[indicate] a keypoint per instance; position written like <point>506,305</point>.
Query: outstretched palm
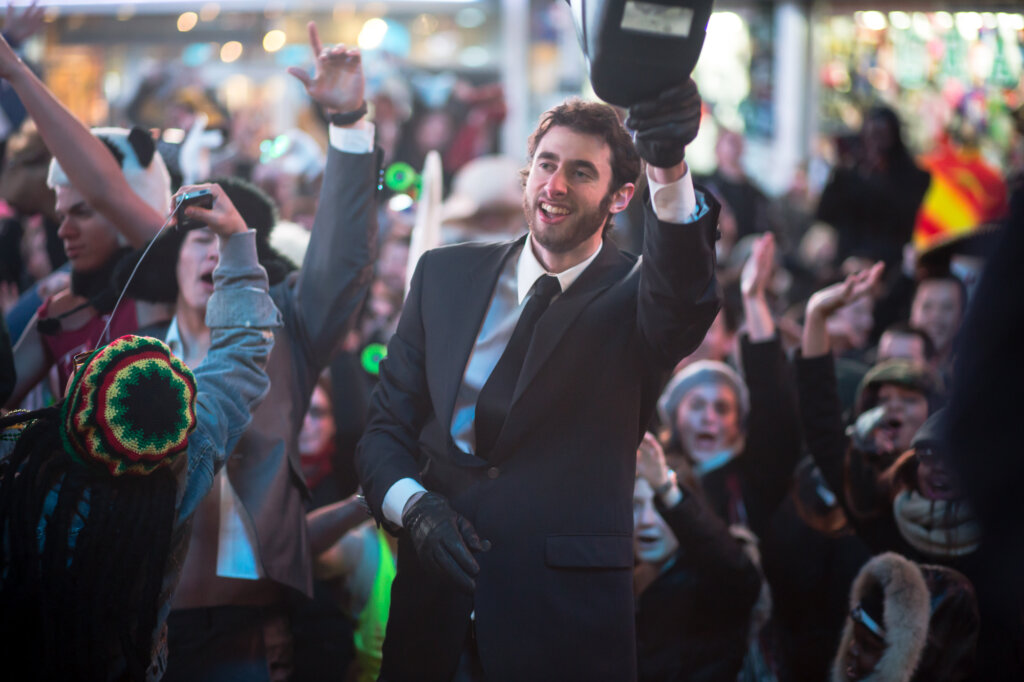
<point>337,83</point>
<point>830,299</point>
<point>757,271</point>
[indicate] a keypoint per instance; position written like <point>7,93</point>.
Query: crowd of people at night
<point>613,420</point>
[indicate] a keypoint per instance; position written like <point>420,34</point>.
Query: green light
<point>371,357</point>
<point>400,177</point>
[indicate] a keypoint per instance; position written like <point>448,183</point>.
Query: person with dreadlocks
<point>98,491</point>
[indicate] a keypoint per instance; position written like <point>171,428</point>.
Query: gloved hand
<point>443,539</point>
<point>663,127</point>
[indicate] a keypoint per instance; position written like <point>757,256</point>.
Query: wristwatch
<point>662,489</point>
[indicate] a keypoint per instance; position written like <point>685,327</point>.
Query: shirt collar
<point>173,339</point>
<point>529,269</point>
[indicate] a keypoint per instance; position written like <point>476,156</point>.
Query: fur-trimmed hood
<point>907,608</point>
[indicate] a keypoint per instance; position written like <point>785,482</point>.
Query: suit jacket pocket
<point>589,551</point>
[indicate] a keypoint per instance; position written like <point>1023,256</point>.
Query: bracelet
<point>662,489</point>
<point>349,117</point>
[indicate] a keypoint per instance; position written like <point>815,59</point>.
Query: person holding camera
<point>501,440</point>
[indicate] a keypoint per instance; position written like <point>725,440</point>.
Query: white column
<point>515,56</point>
<point>793,73</point>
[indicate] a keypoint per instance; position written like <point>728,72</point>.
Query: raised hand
<point>222,218</point>
<point>650,462</point>
<point>826,301</point>
<point>337,83</point>
<point>757,271</point>
<point>664,126</point>
<point>19,28</point>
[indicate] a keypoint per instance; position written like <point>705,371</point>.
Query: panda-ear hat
<point>142,165</point>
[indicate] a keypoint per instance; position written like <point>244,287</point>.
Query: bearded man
<point>501,444</point>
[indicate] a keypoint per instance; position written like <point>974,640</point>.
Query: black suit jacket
<point>554,595</point>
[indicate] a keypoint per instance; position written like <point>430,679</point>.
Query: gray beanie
<point>702,372</point>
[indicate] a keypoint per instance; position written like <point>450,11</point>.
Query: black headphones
<point>51,326</point>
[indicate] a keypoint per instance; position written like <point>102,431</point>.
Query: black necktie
<point>496,395</point>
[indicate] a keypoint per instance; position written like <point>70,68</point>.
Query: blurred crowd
<point>831,524</point>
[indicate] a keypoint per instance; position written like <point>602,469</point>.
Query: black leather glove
<point>663,127</point>
<point>443,539</point>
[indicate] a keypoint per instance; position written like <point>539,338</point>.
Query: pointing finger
<point>314,39</point>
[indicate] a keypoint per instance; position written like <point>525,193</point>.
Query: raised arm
<point>678,291</point>
<point>757,273</point>
<point>825,302</point>
<point>338,267</point>
<point>711,555</point>
<point>773,445</point>
<point>231,379</point>
<point>820,410</point>
<point>89,165</point>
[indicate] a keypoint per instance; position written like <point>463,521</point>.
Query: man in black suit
<point>502,436</point>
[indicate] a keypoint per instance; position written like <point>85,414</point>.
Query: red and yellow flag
<point>965,193</point>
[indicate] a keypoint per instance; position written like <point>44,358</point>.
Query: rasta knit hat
<point>130,408</point>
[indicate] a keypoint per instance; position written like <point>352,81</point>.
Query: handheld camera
<point>202,198</point>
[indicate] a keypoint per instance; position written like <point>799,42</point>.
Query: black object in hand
<point>443,539</point>
<point>202,198</point>
<point>664,126</point>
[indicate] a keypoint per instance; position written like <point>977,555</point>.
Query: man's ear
<point>621,197</point>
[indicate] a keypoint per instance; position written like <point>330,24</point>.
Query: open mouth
<point>891,428</point>
<point>551,211</point>
<point>647,540</point>
<point>706,440</point>
<point>207,278</point>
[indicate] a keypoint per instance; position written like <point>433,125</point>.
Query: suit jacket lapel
<point>465,309</point>
<point>609,267</point>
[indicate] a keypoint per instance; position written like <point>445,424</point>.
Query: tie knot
<point>546,287</point>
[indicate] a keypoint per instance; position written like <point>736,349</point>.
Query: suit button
<point>493,472</point>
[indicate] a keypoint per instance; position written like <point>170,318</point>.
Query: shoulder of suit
<point>469,250</point>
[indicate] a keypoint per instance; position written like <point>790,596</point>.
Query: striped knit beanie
<point>130,408</point>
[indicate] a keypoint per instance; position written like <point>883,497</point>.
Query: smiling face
<point>936,478</point>
<point>708,421</point>
<point>905,411</point>
<point>653,541</point>
<point>568,196</point>
<point>196,261</point>
<point>90,240</point>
